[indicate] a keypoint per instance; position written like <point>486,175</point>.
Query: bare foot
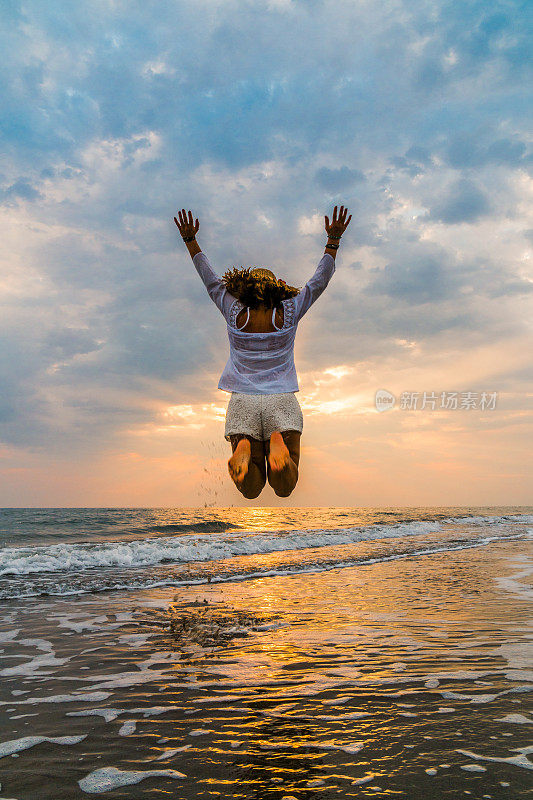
<point>279,455</point>
<point>240,461</point>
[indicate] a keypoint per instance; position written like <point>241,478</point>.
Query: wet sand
<point>409,678</point>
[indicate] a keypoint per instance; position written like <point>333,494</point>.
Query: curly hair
<point>254,291</point>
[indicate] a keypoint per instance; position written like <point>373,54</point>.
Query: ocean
<point>266,652</point>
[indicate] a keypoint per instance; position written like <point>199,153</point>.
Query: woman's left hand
<point>186,226</point>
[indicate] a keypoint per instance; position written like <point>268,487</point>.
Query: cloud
<point>469,151</point>
<point>425,277</point>
<point>259,119</point>
<point>335,180</point>
<point>462,202</point>
<point>21,189</point>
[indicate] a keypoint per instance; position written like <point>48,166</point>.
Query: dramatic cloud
<point>260,117</point>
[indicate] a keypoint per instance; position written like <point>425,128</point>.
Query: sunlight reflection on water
<point>405,678</point>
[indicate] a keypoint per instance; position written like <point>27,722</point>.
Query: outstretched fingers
<point>339,217</point>
<point>186,224</point>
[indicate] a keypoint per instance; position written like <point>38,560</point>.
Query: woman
<point>264,420</point>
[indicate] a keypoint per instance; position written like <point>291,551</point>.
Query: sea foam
<point>190,548</point>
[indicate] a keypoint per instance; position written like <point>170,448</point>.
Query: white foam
<point>474,698</point>
<point>127,729</point>
<point>21,716</point>
<point>16,745</point>
<point>518,761</point>
<point>40,644</point>
<point>108,778</point>
<point>133,678</point>
<point>168,753</point>
<point>34,666</point>
<point>8,636</point>
<point>87,624</point>
<point>366,779</point>
<point>109,714</point>
<point>189,548</point>
<point>520,719</point>
<point>135,639</point>
<point>486,698</point>
<point>507,519</point>
<point>82,697</point>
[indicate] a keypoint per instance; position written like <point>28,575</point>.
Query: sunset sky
<point>260,117</point>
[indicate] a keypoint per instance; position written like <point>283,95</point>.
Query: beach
<point>266,653</point>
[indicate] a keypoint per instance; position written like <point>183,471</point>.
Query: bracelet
<point>332,246</point>
<point>189,239</point>
<point>337,238</point>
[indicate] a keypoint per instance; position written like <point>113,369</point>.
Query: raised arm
<point>215,287</point>
<point>326,266</point>
<point>336,229</point>
<point>315,285</point>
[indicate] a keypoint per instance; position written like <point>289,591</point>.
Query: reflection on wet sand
<point>405,678</point>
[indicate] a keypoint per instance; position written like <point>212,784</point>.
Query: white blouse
<point>262,363</point>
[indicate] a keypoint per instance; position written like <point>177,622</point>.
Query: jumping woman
<point>264,420</point>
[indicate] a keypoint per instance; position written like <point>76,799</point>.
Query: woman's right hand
<point>338,224</point>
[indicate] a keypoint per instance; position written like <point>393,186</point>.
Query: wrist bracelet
<point>189,239</point>
<point>337,238</point>
<point>333,246</point>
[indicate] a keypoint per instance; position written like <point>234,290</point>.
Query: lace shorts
<point>258,415</point>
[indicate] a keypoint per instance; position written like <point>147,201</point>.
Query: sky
<point>260,116</point>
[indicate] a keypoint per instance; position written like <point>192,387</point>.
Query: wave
<point>504,519</point>
<point>188,548</point>
<point>187,558</point>
<point>58,584</point>
<point>194,547</point>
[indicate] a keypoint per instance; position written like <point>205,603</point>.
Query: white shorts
<point>259,415</point>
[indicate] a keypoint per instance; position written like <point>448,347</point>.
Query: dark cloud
<point>415,161</point>
<point>462,202</point>
<point>66,342</point>
<point>335,180</point>
<point>22,189</point>
<point>470,151</point>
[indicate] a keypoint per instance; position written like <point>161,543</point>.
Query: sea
<point>272,653</point>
